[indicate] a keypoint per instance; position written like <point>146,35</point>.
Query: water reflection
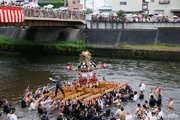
<point>20,70</point>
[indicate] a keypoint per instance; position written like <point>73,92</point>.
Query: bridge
<point>37,21</point>
<point>42,17</point>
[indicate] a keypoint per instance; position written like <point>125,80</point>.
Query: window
<point>74,1</point>
<point>159,12</point>
<point>164,1</point>
<point>145,6</point>
<point>146,0</point>
<point>123,3</point>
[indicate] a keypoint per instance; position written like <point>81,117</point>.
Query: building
<point>75,4</point>
<point>164,7</point>
<point>129,6</point>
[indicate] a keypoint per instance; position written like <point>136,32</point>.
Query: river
<point>17,71</point>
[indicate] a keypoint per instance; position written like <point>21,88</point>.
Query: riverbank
<point>59,47</point>
<point>146,52</point>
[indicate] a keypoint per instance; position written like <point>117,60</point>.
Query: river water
<point>17,71</point>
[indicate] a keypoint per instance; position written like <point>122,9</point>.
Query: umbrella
<point>46,6</point>
<point>31,3</point>
<point>78,10</point>
<point>159,15</point>
<point>164,15</point>
<point>115,15</point>
<point>156,14</point>
<point>134,15</point>
<point>63,8</point>
<point>175,16</point>
<point>25,3</point>
<point>95,13</point>
<point>151,15</point>
<point>35,5</point>
<point>139,15</point>
<point>55,9</point>
<point>129,15</point>
<point>50,5</point>
<point>19,0</point>
<point>123,14</point>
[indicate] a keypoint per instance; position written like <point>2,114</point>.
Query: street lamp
<point>78,9</point>
<point>65,3</point>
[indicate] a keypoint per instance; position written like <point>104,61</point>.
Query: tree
<point>120,13</point>
<point>89,11</point>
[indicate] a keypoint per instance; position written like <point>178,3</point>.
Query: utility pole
<point>78,9</point>
<point>64,3</point>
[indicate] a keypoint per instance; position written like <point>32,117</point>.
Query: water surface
<point>17,71</point>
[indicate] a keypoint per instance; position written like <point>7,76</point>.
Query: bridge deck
<point>37,21</point>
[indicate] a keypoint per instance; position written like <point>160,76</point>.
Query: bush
<point>56,4</point>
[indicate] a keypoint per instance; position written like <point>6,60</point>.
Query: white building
<point>34,1</point>
<point>8,1</point>
<point>127,5</point>
<point>164,7</point>
<point>96,4</point>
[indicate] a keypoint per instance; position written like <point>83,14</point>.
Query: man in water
<point>136,96</point>
<point>58,84</point>
<point>23,102</point>
<point>141,96</point>
<point>171,103</point>
<point>13,115</point>
<point>45,87</point>
<point>122,114</point>
<point>128,116</point>
<point>104,80</point>
<point>143,85</point>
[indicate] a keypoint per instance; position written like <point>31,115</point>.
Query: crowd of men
<point>35,11</point>
<point>10,4</point>
<point>94,109</point>
<point>52,13</point>
<point>136,19</point>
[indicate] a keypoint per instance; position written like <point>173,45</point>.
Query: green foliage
<point>161,46</point>
<point>56,4</point>
<point>89,11</point>
<point>59,47</point>
<point>120,13</point>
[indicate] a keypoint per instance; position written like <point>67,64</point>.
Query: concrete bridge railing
<point>130,25</point>
<point>48,13</point>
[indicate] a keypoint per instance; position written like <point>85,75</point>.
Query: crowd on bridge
<point>52,13</point>
<point>93,109</point>
<point>10,4</point>
<point>36,11</point>
<point>154,18</point>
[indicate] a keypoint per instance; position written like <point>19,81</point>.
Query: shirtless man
<point>139,111</point>
<point>104,80</point>
<point>171,103</point>
<point>122,114</point>
<point>38,92</point>
<point>27,91</point>
<point>150,93</point>
<point>156,90</point>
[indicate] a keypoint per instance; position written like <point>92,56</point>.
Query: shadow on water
<point>20,70</point>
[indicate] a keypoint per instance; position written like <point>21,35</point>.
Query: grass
<point>166,47</point>
<point>162,46</point>
<point>8,40</point>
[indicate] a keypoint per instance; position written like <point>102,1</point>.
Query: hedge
<point>56,4</point>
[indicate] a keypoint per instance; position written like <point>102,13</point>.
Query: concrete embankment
<point>97,52</point>
<point>96,37</point>
<point>163,55</point>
